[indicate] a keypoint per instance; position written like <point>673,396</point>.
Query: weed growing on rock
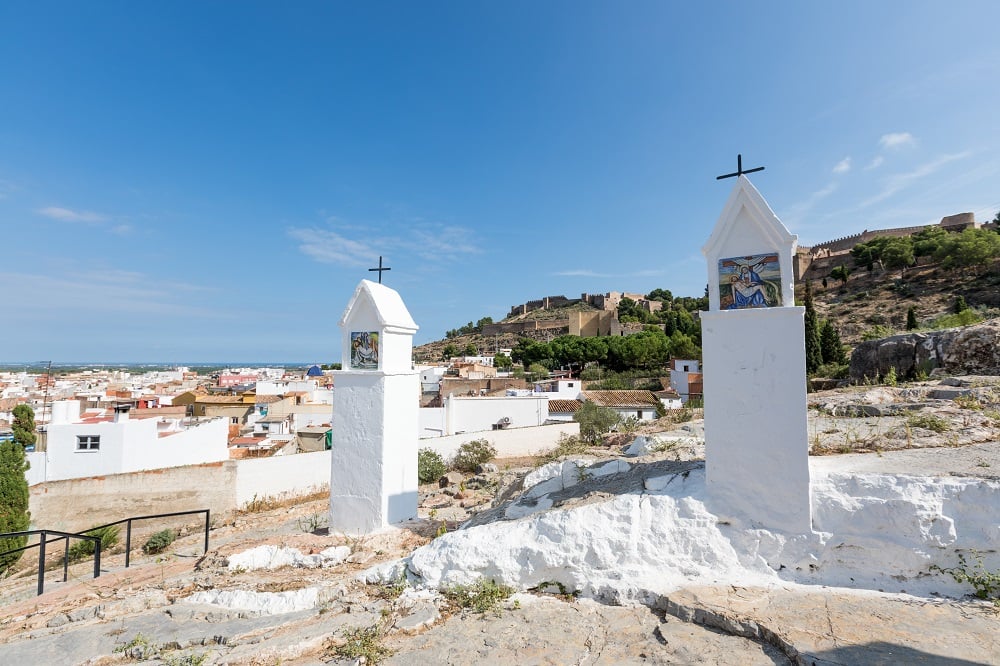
<point>185,660</point>
<point>968,401</point>
<point>985,584</point>
<point>258,504</point>
<point>140,648</point>
<point>313,523</point>
<point>391,590</point>
<point>928,422</point>
<point>365,643</point>
<point>483,596</point>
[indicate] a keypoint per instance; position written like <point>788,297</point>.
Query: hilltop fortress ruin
<point>818,260</point>
<point>809,263</point>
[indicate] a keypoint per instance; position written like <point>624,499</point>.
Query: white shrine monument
<point>373,476</point>
<point>753,340</point>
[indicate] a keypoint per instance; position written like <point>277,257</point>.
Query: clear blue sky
<point>208,181</point>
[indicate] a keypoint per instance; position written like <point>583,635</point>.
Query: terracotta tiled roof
<point>621,398</point>
<point>564,406</point>
<point>667,393</point>
<point>266,399</point>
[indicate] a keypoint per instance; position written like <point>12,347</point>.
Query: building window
<point>235,420</point>
<point>88,442</point>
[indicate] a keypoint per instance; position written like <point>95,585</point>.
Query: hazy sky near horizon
<point>209,181</point>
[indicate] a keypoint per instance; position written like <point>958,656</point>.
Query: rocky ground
<point>312,607</point>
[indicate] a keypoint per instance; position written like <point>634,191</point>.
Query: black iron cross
<point>739,169</point>
<point>379,269</point>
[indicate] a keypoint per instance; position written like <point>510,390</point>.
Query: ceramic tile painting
<point>750,282</point>
<point>364,350</point>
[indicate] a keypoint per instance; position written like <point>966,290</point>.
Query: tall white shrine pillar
<point>753,341</point>
<point>373,476</point>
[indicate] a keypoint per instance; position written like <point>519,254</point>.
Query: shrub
<point>84,548</point>
<point>430,465</point>
<point>158,542</point>
<point>567,445</point>
<point>963,318</point>
<point>877,332</point>
<point>473,454</point>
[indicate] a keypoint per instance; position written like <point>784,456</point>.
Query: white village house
<point>97,445</point>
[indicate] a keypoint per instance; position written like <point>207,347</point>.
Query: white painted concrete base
<point>756,438</point>
<point>373,479</point>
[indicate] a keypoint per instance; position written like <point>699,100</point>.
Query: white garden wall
<point>510,443</point>
<point>282,476</point>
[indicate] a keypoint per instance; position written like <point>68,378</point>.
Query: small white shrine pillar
<point>753,340</point>
<point>373,476</point>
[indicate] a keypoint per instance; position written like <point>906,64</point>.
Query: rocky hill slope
<point>882,298</point>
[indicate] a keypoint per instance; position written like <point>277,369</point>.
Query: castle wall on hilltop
<point>825,255</point>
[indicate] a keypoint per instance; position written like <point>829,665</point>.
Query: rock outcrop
<point>969,350</point>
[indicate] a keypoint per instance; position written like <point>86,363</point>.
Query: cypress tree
<point>960,305</point>
<point>814,349</point>
<point>911,319</point>
<point>832,348</point>
<point>13,484</point>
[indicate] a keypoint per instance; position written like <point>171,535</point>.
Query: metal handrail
<point>41,551</point>
<point>97,547</point>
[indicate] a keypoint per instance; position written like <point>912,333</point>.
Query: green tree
<point>483,322</point>
<point>502,362</point>
<point>927,241</point>
<point>960,305</point>
<point>528,351</point>
<point>14,516</point>
<point>450,351</point>
<point>814,348</point>
<point>898,253</point>
<point>973,248</point>
<point>660,295</point>
<point>840,273</point>
<point>24,426</point>
<point>682,346</point>
<point>831,347</point>
<point>595,421</point>
<point>911,319</point>
<point>537,372</point>
<point>471,350</point>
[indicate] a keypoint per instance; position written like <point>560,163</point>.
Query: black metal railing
<point>66,536</point>
<point>44,540</point>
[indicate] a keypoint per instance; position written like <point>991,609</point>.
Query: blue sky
<point>208,181</point>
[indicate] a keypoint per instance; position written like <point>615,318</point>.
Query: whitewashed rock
<point>275,557</point>
<point>874,531</point>
<point>263,603</point>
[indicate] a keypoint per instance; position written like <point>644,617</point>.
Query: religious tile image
<point>364,350</point>
<point>750,282</point>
